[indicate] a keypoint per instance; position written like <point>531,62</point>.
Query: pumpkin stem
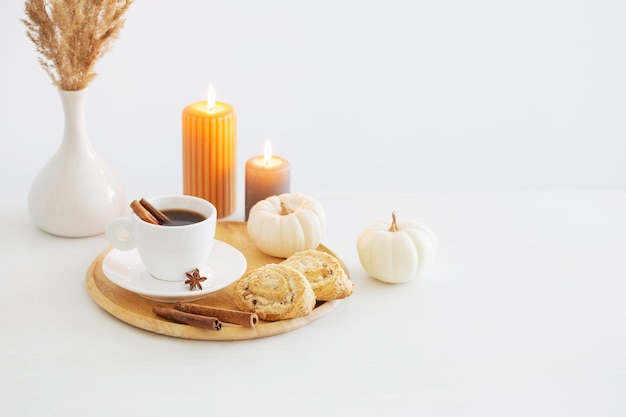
<point>394,225</point>
<point>284,210</point>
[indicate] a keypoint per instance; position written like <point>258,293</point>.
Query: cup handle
<point>119,234</point>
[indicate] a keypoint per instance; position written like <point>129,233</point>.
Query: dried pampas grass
<point>71,35</point>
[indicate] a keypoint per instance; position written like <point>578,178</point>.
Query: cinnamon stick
<point>142,213</point>
<point>210,323</point>
<point>242,318</point>
<point>156,213</point>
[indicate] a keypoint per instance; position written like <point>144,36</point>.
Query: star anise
<point>194,279</point>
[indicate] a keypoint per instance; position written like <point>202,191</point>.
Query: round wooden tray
<point>137,311</point>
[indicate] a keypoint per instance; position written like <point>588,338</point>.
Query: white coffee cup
<point>168,251</point>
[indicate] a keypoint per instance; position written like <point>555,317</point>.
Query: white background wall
<point>359,95</point>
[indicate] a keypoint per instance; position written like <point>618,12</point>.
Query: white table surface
<point>522,315</point>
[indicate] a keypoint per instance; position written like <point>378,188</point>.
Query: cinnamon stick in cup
<point>156,213</point>
<point>142,212</point>
<point>210,323</point>
<point>148,213</point>
<point>242,318</point>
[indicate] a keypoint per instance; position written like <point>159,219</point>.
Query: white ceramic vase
<point>75,194</point>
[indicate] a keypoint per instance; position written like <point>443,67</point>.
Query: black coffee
<point>181,217</point>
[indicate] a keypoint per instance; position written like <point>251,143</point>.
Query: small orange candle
<point>209,153</point>
<point>266,175</point>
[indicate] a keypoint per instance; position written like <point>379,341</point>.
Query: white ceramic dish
<point>224,266</point>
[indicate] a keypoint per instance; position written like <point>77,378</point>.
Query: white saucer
<point>124,268</point>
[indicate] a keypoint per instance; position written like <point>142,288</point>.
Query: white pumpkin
<point>285,224</point>
<point>398,252</point>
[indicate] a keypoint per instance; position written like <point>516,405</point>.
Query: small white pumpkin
<point>398,252</point>
<point>285,224</point>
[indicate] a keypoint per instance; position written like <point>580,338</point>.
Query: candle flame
<point>210,101</point>
<point>267,157</point>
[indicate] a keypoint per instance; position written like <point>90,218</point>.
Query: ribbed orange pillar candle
<point>209,153</point>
